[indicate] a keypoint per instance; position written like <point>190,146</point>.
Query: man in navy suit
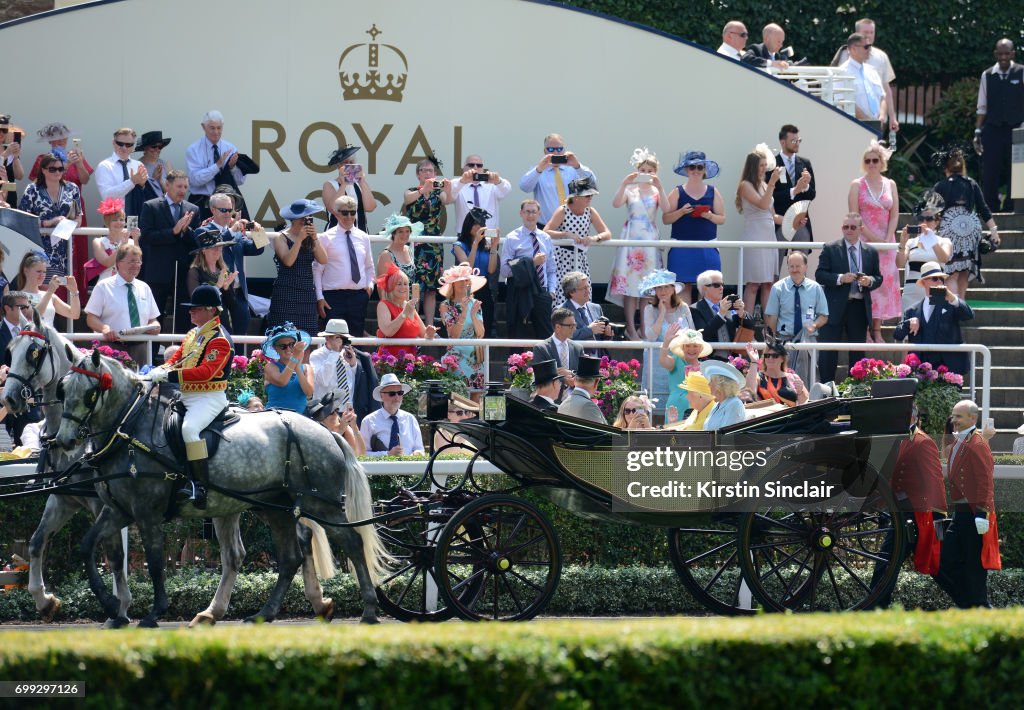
<point>932,323</point>
<point>797,182</point>
<point>560,347</point>
<point>769,52</point>
<point>224,209</point>
<point>166,224</point>
<point>848,272</point>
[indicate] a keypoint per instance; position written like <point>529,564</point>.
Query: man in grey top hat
<point>579,403</point>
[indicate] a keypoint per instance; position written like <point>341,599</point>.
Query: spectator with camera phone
<point>549,180</point>
<point>481,188</point>
<point>919,243</point>
<point>351,181</point>
<point>716,315</point>
<point>936,319</point>
<point>425,203</point>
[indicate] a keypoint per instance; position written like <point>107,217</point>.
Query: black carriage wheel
<point>404,592</point>
<point>498,558</point>
<point>713,551</point>
<point>815,561</point>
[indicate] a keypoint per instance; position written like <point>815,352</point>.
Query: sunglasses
<point>458,412</point>
<point>55,170</point>
<point>850,227</point>
<point>772,356</point>
<point>553,149</point>
<point>474,165</point>
<point>868,46</point>
<point>872,161</point>
<point>695,167</point>
<point>224,210</point>
<point>741,34</point>
<point>23,308</point>
<point>716,284</point>
<point>399,393</point>
<point>347,213</point>
<point>631,410</point>
<point>284,346</point>
<point>124,145</point>
<point>567,325</point>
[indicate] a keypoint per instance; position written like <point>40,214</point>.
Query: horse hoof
<point>369,620</point>
<point>118,623</point>
<point>256,619</point>
<point>327,613</point>
<point>148,623</point>
<point>51,609</point>
<point>203,618</point>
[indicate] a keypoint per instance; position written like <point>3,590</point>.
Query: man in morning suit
<point>166,224</point>
<point>579,403</point>
<point>848,272</point>
<point>971,544</point>
<point>234,231</point>
<point>930,324</point>
<point>707,314</point>
<point>547,385</point>
<point>768,53</point>
<point>795,185</point>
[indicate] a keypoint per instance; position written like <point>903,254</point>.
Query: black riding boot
<point>199,471</point>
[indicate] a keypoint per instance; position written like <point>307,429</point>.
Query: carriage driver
<point>201,368</point>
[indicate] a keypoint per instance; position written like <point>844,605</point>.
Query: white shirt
<point>110,177</point>
<point>109,303</point>
<point>325,374</point>
<point>378,422</point>
<point>877,59</point>
<point>870,86</point>
<point>490,196</point>
<point>983,85</point>
<point>337,272</point>
<point>13,327</point>
<point>730,52</point>
<point>202,168</point>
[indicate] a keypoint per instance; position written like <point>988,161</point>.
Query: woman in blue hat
<point>289,381</point>
<point>294,296</point>
<point>725,382</point>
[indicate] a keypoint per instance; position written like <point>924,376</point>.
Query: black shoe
<point>192,493</point>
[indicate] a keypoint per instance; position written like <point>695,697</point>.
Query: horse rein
<point>27,391</point>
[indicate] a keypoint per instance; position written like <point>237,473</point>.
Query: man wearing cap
<point>547,385</point>
<point>344,284</point>
<point>166,224</point>
<point>391,431</point>
<point>560,347</point>
<point>797,309</point>
<point>848,271</point>
<point>971,544</point>
<point>123,301</point>
<point>340,369</point>
<point>580,403</point>
<point>212,161</point>
<point>528,265</point>
<point>150,144</point>
<point>237,246</point>
<point>121,176</point>
<point>549,180</point>
<point>718,319</point>
<point>356,188</point>
<point>486,193</point>
<point>201,368</point>
<point>936,320</point>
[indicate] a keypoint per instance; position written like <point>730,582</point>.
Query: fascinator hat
<point>930,204</point>
<point>583,186</point>
<point>285,330</point>
<point>386,282</point>
<point>111,205</point>
<point>461,272</point>
<point>641,156</point>
<point>766,154</point>
<point>342,154</point>
<point>53,132</point>
<point>300,209</point>
<point>696,157</point>
<point>661,277</point>
<point>397,221</point>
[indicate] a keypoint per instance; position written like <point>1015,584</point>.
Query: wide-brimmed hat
<point>696,382</point>
<point>660,277</point>
<point>389,379</point>
<point>689,337</point>
<point>397,221</point>
<point>285,330</point>
<point>696,157</point>
<point>464,402</point>
<point>930,204</point>
<point>460,272</point>
<point>319,410</point>
<point>342,154</point>
<point>5,122</point>
<point>795,209</point>
<point>545,371</point>
<point>930,269</point>
<point>204,296</point>
<point>583,186</point>
<point>152,138</point>
<point>53,132</point>
<point>208,237</point>
<point>336,326</point>
<point>710,368</point>
<point>300,209</point>
<point>588,367</point>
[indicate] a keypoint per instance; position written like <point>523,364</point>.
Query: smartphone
<point>17,138</point>
<point>490,232</point>
<point>249,226</point>
<point>76,142</point>
<point>439,183</point>
<point>131,221</point>
<point>353,172</point>
<point>482,177</point>
<point>414,294</point>
<point>937,295</point>
<point>913,229</point>
<point>644,178</point>
<point>308,221</point>
<point>559,159</point>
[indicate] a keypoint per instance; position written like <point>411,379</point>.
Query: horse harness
<point>37,355</point>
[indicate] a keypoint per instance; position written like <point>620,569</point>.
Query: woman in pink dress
<point>875,198</point>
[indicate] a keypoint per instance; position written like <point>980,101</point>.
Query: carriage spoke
<point>863,533</point>
<point>538,538</point>
<point>835,585</point>
<point>708,553</point>
<point>876,557</point>
<point>512,592</point>
<point>772,522</point>
<point>850,572</point>
<point>396,575</point>
<point>408,586</point>
<point>721,570</point>
<point>482,572</point>
<point>521,524</point>
<point>525,581</point>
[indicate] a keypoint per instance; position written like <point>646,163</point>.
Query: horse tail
<point>323,560</point>
<point>359,506</point>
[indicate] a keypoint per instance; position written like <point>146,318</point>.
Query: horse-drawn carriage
<point>470,548</point>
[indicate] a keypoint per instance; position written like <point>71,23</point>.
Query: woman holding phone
<point>30,278</point>
<point>103,248</point>
<point>425,203</point>
<point>294,296</point>
<point>481,251</point>
<point>396,313</point>
<point>351,181</point>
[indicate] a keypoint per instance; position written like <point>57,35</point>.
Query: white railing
<point>830,84</point>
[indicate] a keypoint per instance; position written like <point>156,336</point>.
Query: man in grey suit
<point>576,287</point>
<point>560,346</point>
<point>579,403</point>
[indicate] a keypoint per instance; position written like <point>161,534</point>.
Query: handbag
<point>744,335</point>
<point>986,245</point>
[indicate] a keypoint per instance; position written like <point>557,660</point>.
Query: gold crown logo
<point>376,80</point>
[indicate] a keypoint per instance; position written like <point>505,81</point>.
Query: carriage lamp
<point>494,402</point>
<point>434,402</point>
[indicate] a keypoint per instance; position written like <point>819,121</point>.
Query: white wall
<point>481,79</point>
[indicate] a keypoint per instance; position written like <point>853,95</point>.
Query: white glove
<point>981,524</point>
<point>158,374</point>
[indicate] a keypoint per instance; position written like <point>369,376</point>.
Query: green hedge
<point>582,591</point>
<point>893,659</point>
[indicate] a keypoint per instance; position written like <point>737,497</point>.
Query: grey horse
<point>279,462</point>
<point>39,358</point>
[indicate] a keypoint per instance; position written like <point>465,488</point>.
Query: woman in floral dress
<point>462,318</point>
<point>425,203</point>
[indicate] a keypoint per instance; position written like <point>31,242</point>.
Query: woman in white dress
<point>30,278</point>
<point>754,201</point>
<point>926,246</point>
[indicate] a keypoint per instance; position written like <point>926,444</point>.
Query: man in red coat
<point>971,544</point>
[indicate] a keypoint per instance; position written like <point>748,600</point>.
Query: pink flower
<point>858,372</point>
<point>926,367</point>
<point>529,370</point>
<point>903,370</point>
<point>942,369</point>
<point>515,359</point>
<point>239,362</point>
<point>410,368</point>
<point>410,357</point>
<point>953,378</point>
<point>634,364</point>
<point>912,359</point>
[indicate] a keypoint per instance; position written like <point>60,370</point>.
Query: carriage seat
<point>211,434</point>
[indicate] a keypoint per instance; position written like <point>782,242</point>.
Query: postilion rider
<point>201,369</point>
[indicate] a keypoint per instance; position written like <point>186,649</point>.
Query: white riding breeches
<point>201,408</point>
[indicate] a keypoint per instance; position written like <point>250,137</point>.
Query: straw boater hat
<point>389,379</point>
<point>336,326</point>
<point>696,382</point>
<point>930,269</point>
<point>689,337</point>
<point>461,272</point>
<point>464,402</point>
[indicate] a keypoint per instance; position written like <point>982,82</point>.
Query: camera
<point>490,232</point>
<point>913,229</point>
<point>438,183</point>
<point>482,177</point>
<point>618,329</point>
<point>731,298</point>
<point>308,221</point>
<point>249,226</point>
<point>559,159</point>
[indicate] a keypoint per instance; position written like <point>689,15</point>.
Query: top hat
<point>588,367</point>
<point>545,371</point>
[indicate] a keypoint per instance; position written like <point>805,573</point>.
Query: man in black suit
<point>795,185</point>
<point>560,347</point>
<point>547,385</point>
<point>934,321</point>
<point>848,271</point>
<point>769,52</point>
<point>166,224</point>
<point>716,318</point>
<point>15,303</point>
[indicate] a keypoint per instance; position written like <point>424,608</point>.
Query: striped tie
<point>538,267</point>
<point>344,391</point>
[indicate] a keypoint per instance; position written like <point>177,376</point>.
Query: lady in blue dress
<point>725,382</point>
<point>665,312</point>
<point>288,380</point>
<point>462,319</point>
<point>480,252</point>
<point>695,211</point>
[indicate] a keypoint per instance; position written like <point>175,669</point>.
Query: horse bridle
<point>92,398</point>
<point>36,354</point>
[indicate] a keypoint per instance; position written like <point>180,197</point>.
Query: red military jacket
<point>971,478</point>
<point>918,474</point>
<point>203,360</point>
